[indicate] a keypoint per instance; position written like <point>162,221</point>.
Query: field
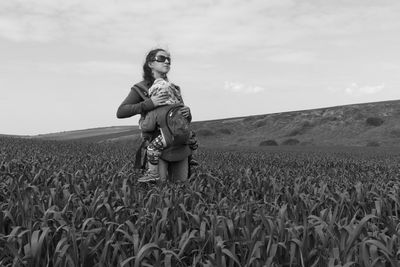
<point>72,204</point>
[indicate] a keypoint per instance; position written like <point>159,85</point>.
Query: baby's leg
<point>192,142</point>
<point>193,145</point>
<point>155,148</point>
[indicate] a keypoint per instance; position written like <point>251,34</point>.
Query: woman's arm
<point>133,105</point>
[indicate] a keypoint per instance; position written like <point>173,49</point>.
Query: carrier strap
<point>141,90</point>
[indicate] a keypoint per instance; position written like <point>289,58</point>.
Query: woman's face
<point>161,63</point>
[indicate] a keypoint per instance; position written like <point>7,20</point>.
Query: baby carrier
<point>174,127</point>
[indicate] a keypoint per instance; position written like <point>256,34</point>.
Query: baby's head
<point>161,82</point>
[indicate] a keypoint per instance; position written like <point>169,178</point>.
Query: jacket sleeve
<point>134,104</point>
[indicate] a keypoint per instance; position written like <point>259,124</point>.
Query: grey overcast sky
<point>67,65</point>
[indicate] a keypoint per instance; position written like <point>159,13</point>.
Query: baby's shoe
<point>151,174</point>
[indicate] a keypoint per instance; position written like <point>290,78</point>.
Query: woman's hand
<point>185,110</point>
<point>159,100</point>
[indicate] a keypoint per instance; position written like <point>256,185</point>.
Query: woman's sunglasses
<point>161,59</point>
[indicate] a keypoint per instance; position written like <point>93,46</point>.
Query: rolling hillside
<point>114,133</point>
<point>369,124</point>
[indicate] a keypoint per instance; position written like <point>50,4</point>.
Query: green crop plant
<point>76,204</point>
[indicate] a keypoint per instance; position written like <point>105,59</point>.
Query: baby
<point>149,124</point>
<point>161,86</point>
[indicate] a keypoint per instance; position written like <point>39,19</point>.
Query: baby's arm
<point>185,110</point>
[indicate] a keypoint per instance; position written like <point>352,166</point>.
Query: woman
<point>173,162</point>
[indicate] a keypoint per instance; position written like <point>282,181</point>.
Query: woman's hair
<point>147,74</point>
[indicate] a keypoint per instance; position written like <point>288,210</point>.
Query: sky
<point>68,65</point>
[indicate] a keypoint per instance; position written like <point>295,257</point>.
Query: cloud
<point>195,26</point>
<point>242,88</point>
<point>355,89</point>
<point>83,67</point>
<point>203,27</point>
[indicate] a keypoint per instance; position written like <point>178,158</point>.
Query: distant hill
<point>369,124</point>
<point>14,136</point>
<point>102,134</point>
